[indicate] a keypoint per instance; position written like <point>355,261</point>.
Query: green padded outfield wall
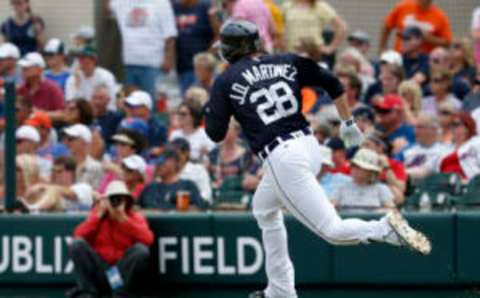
<point>225,248</point>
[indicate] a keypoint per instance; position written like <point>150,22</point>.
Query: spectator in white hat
<point>83,37</point>
<point>44,94</point>
<point>134,169</point>
<point>78,138</point>
<point>84,79</point>
<point>28,141</point>
<point>9,70</point>
<point>363,191</point>
<point>139,105</point>
<point>54,53</point>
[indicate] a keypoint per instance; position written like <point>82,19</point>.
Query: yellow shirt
<point>277,16</point>
<point>305,21</point>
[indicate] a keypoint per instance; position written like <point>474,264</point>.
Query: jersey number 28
<point>279,102</point>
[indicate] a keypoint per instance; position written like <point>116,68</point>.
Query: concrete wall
<point>64,16</point>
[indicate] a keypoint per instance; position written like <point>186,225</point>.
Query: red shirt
<point>48,96</point>
<point>110,238</point>
<point>343,169</point>
<point>398,170</point>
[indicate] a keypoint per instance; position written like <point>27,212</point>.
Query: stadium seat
<point>441,191</point>
<point>470,195</point>
<point>231,194</point>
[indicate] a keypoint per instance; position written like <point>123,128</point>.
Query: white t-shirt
<point>469,157</point>
<point>197,141</point>
<point>197,173</point>
<point>430,104</point>
<point>419,156</point>
<point>476,116</point>
<point>87,86</point>
<point>145,25</point>
<point>352,195</point>
<point>84,194</point>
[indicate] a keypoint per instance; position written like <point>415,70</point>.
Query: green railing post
<point>10,150</point>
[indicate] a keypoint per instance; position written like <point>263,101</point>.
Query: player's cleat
<point>408,236</point>
<point>257,294</point>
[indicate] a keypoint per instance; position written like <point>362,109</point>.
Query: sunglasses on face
<point>183,114</point>
<point>445,113</point>
<point>456,124</point>
<point>382,111</point>
<point>70,139</point>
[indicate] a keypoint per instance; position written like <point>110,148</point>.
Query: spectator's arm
<point>89,227</point>
<point>137,228</point>
<point>340,28</point>
<point>396,186</point>
<point>384,35</point>
<point>169,58</point>
<point>436,40</point>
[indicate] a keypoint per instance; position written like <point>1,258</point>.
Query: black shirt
<point>263,94</point>
<point>157,195</point>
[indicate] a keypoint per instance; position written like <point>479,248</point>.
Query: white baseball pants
<point>290,182</point>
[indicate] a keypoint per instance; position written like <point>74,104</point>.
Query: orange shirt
<point>409,13</point>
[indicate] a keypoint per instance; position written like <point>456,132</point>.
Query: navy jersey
<point>263,95</point>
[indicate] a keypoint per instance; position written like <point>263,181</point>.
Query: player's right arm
<point>217,111</point>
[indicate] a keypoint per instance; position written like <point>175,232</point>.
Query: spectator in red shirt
<point>44,94</point>
<point>339,156</point>
<point>110,250</point>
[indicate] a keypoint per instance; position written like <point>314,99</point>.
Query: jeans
<point>144,77</point>
<point>90,269</point>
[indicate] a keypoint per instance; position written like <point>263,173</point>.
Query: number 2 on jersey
<point>280,102</point>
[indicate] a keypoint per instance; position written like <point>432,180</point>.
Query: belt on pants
<point>263,154</point>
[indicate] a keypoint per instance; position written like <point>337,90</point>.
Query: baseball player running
<point>262,92</point>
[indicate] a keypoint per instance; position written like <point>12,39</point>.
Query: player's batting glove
<point>351,134</point>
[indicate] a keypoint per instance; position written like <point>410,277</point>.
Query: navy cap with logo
<point>169,152</point>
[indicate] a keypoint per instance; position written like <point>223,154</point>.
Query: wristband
<point>349,122</point>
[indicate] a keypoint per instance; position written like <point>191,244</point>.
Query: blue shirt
<point>157,133</point>
<point>405,131</point>
<point>108,125</point>
<point>22,36</point>
<point>415,65</point>
<point>60,78</point>
<point>195,34</point>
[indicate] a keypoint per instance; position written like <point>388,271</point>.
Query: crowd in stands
<point>80,129</point>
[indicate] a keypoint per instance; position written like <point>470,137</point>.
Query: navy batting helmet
<point>238,38</point>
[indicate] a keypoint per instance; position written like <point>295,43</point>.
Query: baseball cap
<point>32,59</point>
<point>135,163</point>
<point>359,35</point>
<point>336,144</point>
<point>411,31</point>
<point>117,188</point>
<point>123,138</point>
<point>87,51</point>
<point>86,32</point>
<point>169,152</point>
<point>139,98</point>
<point>391,57</point>
<point>39,119</point>
<point>181,144</point>
<point>54,46</point>
<point>364,112</point>
<point>27,132</point>
<point>80,131</point>
<point>9,50</point>
<point>390,102</point>
<point>367,159</point>
<point>135,124</point>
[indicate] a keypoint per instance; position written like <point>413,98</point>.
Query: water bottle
<point>424,203</point>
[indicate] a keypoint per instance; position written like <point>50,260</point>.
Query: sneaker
<point>406,235</point>
<point>257,294</point>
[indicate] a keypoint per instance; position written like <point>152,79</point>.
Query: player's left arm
<point>217,112</point>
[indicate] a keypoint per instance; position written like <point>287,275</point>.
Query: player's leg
<point>269,216</point>
<point>292,167</point>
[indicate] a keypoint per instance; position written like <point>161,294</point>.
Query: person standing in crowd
<point>163,195</point>
<point>196,32</point>
<point>24,29</point>
<point>139,104</point>
<point>148,39</point>
<point>44,94</point>
<point>308,19</point>
<point>82,81</point>
<point>110,249</point>
<point>54,53</point>
<point>78,138</point>
<point>425,15</point>
<point>9,70</point>
<point>476,34</point>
